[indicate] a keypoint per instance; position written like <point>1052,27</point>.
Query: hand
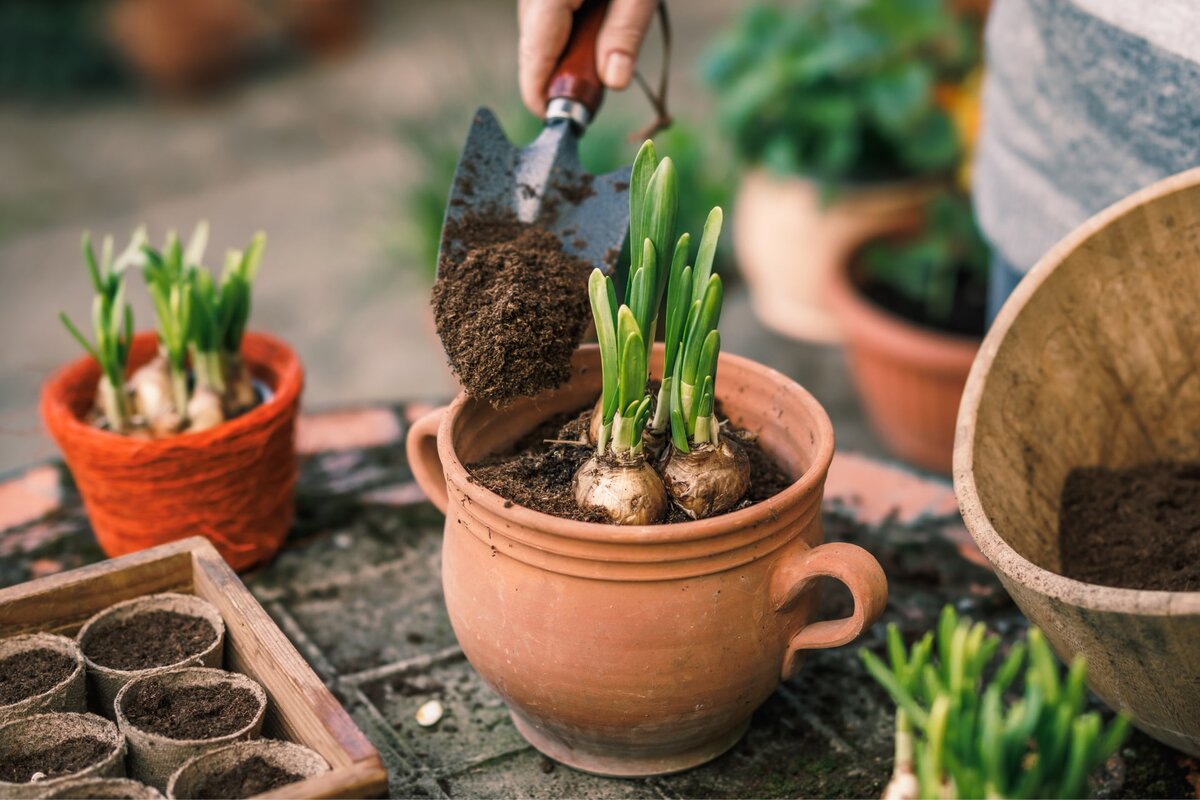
<point>545,26</point>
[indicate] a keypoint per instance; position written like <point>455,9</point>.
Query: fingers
<point>545,26</point>
<point>620,40</point>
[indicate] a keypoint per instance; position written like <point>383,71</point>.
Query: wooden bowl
<point>1093,361</point>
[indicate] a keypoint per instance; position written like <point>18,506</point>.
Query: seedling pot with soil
<point>40,753</point>
<point>639,649</point>
<point>40,673</point>
<point>171,717</point>
<point>151,634</point>
<point>1085,385</point>
<point>245,769</point>
<point>103,789</point>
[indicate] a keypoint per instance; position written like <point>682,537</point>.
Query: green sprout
<point>958,734</point>
<point>112,323</point>
<point>168,279</point>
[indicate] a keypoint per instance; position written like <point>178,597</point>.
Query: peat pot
<point>1093,362</point>
<point>631,651</point>
<point>910,378</point>
<point>790,237</point>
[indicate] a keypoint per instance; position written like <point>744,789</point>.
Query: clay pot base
<point>630,763</point>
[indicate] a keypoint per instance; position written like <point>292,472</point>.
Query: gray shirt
<point>1084,102</point>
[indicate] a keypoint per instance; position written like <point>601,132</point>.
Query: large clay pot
<point>790,237</point>
<point>910,379</point>
<point>1093,362</point>
<point>640,650</point>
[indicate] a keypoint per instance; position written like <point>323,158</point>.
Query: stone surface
<point>356,588</point>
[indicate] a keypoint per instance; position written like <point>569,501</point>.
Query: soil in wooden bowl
<point>190,712</point>
<point>248,778</point>
<point>152,639</point>
<point>511,310</point>
<point>33,672</point>
<point>539,470</point>
<point>64,758</point>
<point>1133,528</point>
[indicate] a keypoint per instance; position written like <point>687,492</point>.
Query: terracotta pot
<point>233,484</point>
<point>788,242</point>
<point>909,378</point>
<point>1092,361</point>
<point>640,650</point>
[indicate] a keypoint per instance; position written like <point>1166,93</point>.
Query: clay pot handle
<point>423,457</point>
<point>847,563</point>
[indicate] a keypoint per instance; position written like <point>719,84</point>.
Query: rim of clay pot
<point>169,601</point>
<point>691,530</point>
<point>999,552</point>
<point>893,335</point>
<point>197,676</point>
<point>32,642</point>
<point>258,349</point>
<point>54,723</point>
<point>286,755</point>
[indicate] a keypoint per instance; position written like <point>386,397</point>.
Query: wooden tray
<point>300,708</point>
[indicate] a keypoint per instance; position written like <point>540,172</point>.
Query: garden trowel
<point>544,183</point>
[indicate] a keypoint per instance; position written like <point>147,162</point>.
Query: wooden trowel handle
<point>575,77</point>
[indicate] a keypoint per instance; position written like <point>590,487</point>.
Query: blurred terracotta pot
<point>789,240</point>
<point>1092,361</point>
<point>640,650</point>
<point>909,378</point>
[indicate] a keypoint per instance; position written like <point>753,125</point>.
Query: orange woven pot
<point>233,484</point>
<point>909,378</point>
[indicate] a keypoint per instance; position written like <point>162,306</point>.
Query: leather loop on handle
<point>423,458</point>
<point>576,77</point>
<point>847,563</point>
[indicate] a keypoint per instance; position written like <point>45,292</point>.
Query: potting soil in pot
<point>1134,528</point>
<point>152,639</point>
<point>64,758</point>
<point>538,472</point>
<point>248,778</point>
<point>31,673</point>
<point>510,311</point>
<point>190,712</point>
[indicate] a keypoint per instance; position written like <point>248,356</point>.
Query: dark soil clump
<point>190,712</point>
<point>251,777</point>
<point>1134,528</point>
<point>152,639</point>
<point>64,758</point>
<point>31,673</point>
<point>538,473</point>
<point>511,310</point>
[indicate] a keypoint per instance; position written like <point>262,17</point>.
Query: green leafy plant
<point>112,324</point>
<point>842,91</point>
<point>959,733</point>
<point>945,259</point>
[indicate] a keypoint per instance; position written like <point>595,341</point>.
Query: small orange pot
<point>233,484</point>
<point>630,651</point>
<point>910,379</point>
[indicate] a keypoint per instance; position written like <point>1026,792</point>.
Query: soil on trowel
<point>248,778</point>
<point>64,758</point>
<point>538,472</point>
<point>190,712</point>
<point>511,309</point>
<point>152,639</point>
<point>1133,528</point>
<point>31,673</point>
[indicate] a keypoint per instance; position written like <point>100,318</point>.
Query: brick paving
<point>357,589</point>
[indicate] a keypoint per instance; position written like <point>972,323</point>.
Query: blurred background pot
<point>1093,362</point>
<point>233,484</point>
<point>640,650</point>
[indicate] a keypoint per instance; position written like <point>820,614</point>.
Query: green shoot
<point>237,280</point>
<point>960,737</point>
<point>625,407</point>
<point>112,324</point>
<point>170,286</point>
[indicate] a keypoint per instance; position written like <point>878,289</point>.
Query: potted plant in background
<point>684,601</point>
<point>912,309</point>
<point>186,431</point>
<point>833,108</point>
